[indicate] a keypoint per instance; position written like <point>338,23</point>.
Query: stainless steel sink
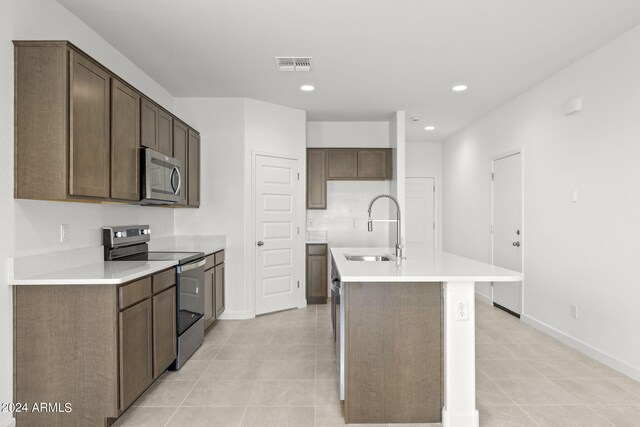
<point>370,258</point>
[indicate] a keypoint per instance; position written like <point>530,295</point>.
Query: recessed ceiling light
<point>307,88</point>
<point>429,127</point>
<point>459,88</point>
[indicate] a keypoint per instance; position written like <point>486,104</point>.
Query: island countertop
<point>419,265</point>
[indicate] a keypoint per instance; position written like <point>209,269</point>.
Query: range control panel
<point>125,235</point>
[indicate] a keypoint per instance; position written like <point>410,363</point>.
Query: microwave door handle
<point>175,170</point>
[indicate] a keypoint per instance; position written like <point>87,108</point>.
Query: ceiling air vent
<point>291,63</point>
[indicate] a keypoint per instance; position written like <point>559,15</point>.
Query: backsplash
<point>37,223</point>
<point>347,203</point>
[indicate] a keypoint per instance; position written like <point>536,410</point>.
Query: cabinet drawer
<point>163,280</point>
<point>219,257</point>
<point>211,262</point>
<point>134,292</point>
<point>315,249</point>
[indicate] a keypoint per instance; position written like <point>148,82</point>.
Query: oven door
<point>190,303</point>
<point>161,178</point>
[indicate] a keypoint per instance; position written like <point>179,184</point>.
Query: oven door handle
<point>193,265</point>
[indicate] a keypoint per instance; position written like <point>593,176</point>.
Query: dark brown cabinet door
<point>136,352</point>
<point>89,140</point>
<point>219,290</point>
<point>317,279</point>
<point>165,133</point>
<point>374,163</point>
<point>125,142</point>
<point>316,179</point>
<point>180,136</point>
<point>164,330</point>
<point>343,163</point>
<point>194,169</point>
<point>209,296</point>
<point>149,116</point>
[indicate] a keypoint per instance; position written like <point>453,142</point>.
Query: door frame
<point>435,205</point>
<point>500,156</point>
<point>298,244</point>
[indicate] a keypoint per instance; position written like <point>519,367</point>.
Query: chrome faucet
<point>397,221</point>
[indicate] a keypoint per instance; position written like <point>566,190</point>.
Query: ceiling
<point>370,57</point>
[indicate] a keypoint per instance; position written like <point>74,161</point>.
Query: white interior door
<point>507,228</point>
<point>276,233</point>
<point>420,220</point>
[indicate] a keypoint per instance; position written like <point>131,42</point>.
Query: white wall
<point>583,253</point>
<point>348,134</point>
<point>220,122</point>
<point>276,130</point>
<point>33,226</point>
<point>230,129</point>
<point>424,159</point>
<point>397,141</point>
<point>347,201</point>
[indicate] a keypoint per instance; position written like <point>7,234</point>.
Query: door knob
<point>260,243</point>
<point>516,243</point>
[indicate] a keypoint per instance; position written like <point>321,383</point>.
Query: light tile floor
<point>279,370</point>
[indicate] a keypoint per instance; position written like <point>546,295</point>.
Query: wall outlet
<point>574,311</point>
<point>64,233</point>
<point>356,223</point>
<point>462,310</point>
<point>574,195</point>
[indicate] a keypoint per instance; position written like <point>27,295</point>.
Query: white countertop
<point>99,273</point>
<point>206,244</point>
<point>85,266</point>
<point>420,265</point>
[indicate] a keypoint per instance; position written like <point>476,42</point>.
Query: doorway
<point>507,228</point>
<point>420,217</point>
<point>276,210</point>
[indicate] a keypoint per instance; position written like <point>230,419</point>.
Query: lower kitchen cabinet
<point>95,347</point>
<point>219,288</point>
<point>214,288</point>
<point>317,279</point>
<point>136,351</point>
<point>164,331</point>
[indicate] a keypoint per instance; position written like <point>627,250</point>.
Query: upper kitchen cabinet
<point>79,129</point>
<point>62,123</point>
<point>316,179</point>
<point>359,164</point>
<point>193,168</point>
<point>180,137</point>
<point>90,87</point>
<point>125,142</point>
<point>156,128</point>
<point>374,163</point>
<point>343,163</point>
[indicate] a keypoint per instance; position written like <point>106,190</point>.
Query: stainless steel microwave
<point>161,178</point>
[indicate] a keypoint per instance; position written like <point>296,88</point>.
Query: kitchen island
<point>405,334</point>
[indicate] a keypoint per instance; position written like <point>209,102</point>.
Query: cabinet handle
<point>260,243</point>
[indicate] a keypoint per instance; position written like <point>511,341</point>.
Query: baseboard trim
<point>483,298</point>
<point>506,310</point>
<point>583,347</point>
<point>11,422</point>
<point>237,315</point>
